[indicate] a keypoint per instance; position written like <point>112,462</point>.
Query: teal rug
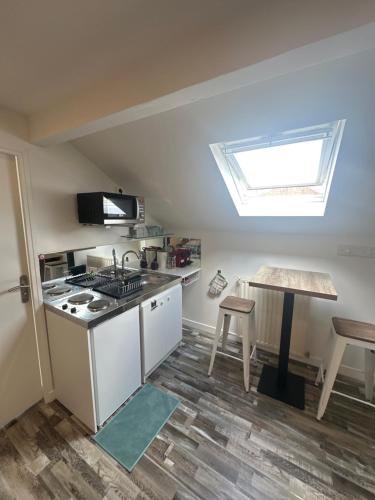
<point>129,433</point>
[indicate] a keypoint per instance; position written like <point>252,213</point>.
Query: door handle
<point>24,288</point>
<point>15,288</point>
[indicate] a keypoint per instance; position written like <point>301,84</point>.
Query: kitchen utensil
<point>150,255</point>
<point>154,264</point>
<point>143,260</point>
<point>171,261</point>
<point>217,284</point>
<point>162,258</point>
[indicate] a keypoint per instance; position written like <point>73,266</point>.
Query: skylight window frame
<point>291,137</point>
<point>245,197</point>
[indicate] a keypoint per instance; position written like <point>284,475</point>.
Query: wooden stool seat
<point>237,304</point>
<point>242,309</point>
<point>356,330</point>
<point>348,332</point>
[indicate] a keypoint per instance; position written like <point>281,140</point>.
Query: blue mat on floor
<point>129,433</point>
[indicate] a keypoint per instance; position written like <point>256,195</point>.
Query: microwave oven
<point>110,209</point>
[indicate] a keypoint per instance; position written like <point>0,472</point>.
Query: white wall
<point>57,174</point>
<point>52,178</point>
<point>14,124</point>
<point>167,157</point>
<point>105,252</point>
<point>240,255</point>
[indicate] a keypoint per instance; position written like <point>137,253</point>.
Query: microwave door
<point>119,209</point>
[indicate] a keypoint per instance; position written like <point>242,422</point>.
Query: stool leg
<point>246,354</point>
<point>252,335</point>
<point>333,366</point>
<point>319,375</point>
<point>227,318</point>
<point>216,341</point>
<point>369,373</point>
<point>328,349</point>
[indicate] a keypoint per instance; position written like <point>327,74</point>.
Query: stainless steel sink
<point>154,279</point>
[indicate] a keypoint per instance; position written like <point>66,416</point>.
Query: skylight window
<point>286,174</point>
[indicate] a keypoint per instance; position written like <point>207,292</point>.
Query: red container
<point>182,257</point>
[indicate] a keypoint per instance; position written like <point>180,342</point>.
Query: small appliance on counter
<point>162,256</point>
<point>53,266</point>
<point>182,257</point>
<point>149,257</point>
<point>143,260</point>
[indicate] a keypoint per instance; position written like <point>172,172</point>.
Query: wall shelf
<point>140,238</point>
<point>191,278</point>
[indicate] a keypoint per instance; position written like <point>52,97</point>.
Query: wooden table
<point>278,382</point>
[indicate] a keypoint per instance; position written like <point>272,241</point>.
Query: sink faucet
<point>125,255</point>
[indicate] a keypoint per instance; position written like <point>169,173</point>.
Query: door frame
<point>36,297</point>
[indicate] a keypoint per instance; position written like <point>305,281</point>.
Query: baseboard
<point>355,373</point>
<point>5,423</point>
<point>49,396</point>
<point>211,329</point>
<point>201,326</point>
<point>145,375</point>
<point>315,361</point>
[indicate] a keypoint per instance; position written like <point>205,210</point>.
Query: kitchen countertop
<point>183,272</point>
<point>159,283</point>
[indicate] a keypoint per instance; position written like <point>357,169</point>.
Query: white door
<point>19,370</point>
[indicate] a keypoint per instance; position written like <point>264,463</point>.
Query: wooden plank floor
<point>220,443</point>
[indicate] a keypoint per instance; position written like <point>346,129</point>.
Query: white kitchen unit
<point>116,356</point>
<point>95,370</point>
<point>161,328</point>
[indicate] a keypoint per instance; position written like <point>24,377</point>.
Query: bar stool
<point>243,309</point>
<point>349,332</point>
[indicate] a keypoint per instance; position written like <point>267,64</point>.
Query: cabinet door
<point>161,326</point>
<point>71,366</point>
<point>117,362</point>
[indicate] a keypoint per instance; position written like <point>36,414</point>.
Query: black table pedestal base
<point>292,392</point>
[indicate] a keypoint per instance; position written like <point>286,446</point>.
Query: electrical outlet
<point>344,251</point>
<point>356,251</point>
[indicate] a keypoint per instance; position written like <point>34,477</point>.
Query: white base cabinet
<point>116,354</point>
<point>72,370</point>
<point>95,371</point>
<point>161,327</point>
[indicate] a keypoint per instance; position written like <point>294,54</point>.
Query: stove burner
<point>48,286</point>
<point>59,290</point>
<point>98,305</point>
<point>81,298</point>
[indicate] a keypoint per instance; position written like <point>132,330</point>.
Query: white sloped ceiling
<point>167,157</point>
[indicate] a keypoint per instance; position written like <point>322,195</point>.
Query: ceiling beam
<point>86,114</point>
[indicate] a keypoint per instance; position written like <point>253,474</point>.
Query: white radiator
<point>268,316</point>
